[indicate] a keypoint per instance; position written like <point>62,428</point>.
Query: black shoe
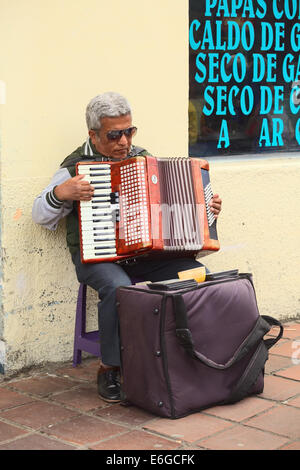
<point>109,387</point>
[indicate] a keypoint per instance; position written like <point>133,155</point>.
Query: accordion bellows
<point>146,206</point>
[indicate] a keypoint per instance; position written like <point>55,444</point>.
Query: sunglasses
<point>117,134</point>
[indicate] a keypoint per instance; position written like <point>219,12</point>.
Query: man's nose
<point>123,140</point>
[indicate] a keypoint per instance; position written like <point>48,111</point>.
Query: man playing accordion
<point>110,130</point>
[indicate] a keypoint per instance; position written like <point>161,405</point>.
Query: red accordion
<point>146,206</point>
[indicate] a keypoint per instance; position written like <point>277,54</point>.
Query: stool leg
<point>80,323</point>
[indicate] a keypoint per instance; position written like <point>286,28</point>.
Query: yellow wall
<point>259,228</point>
<point>55,56</point>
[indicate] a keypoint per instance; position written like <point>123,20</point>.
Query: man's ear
<point>92,135</point>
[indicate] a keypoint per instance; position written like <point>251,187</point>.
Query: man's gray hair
<point>109,104</point>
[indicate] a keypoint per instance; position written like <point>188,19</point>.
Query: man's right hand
<point>74,189</point>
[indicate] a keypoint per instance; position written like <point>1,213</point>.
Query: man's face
<point>118,148</point>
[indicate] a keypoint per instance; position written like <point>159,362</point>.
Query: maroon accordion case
<point>186,347</point>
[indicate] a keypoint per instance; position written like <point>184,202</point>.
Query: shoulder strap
<point>255,365</point>
<point>250,375</point>
<point>184,335</point>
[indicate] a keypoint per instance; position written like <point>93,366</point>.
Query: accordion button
<point>158,354</point>
<point>156,310</point>
<point>160,404</point>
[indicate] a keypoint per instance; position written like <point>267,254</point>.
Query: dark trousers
<point>105,278</point>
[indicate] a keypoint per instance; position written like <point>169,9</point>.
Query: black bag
<point>187,346</point>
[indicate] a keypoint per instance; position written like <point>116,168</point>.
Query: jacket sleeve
<point>47,209</point>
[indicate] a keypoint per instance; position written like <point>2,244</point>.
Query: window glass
<point>244,77</point>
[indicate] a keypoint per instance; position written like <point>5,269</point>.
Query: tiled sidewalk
<point>59,409</point>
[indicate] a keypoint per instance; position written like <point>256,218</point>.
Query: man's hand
<point>216,205</point>
<point>74,189</point>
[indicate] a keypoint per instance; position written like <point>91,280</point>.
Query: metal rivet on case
<point>156,310</point>
<point>160,404</point>
<point>158,353</point>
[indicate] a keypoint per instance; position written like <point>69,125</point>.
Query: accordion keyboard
<point>98,214</point>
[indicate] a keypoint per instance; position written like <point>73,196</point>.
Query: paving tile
<point>43,386</point>
<point>290,373</point>
<point>36,442</point>
<point>79,372</point>
<point>137,440</point>
<point>85,429</point>
<point>279,388</point>
<point>8,431</point>
<point>84,398</point>
<point>92,365</point>
<point>282,419</point>
<point>293,446</point>
<point>241,410</point>
<point>129,415</point>
<point>9,398</point>
<point>189,429</point>
<point>243,438</point>
<point>284,348</point>
<point>37,414</point>
<point>291,330</point>
<point>257,422</point>
<point>294,402</point>
<point>276,363</point>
